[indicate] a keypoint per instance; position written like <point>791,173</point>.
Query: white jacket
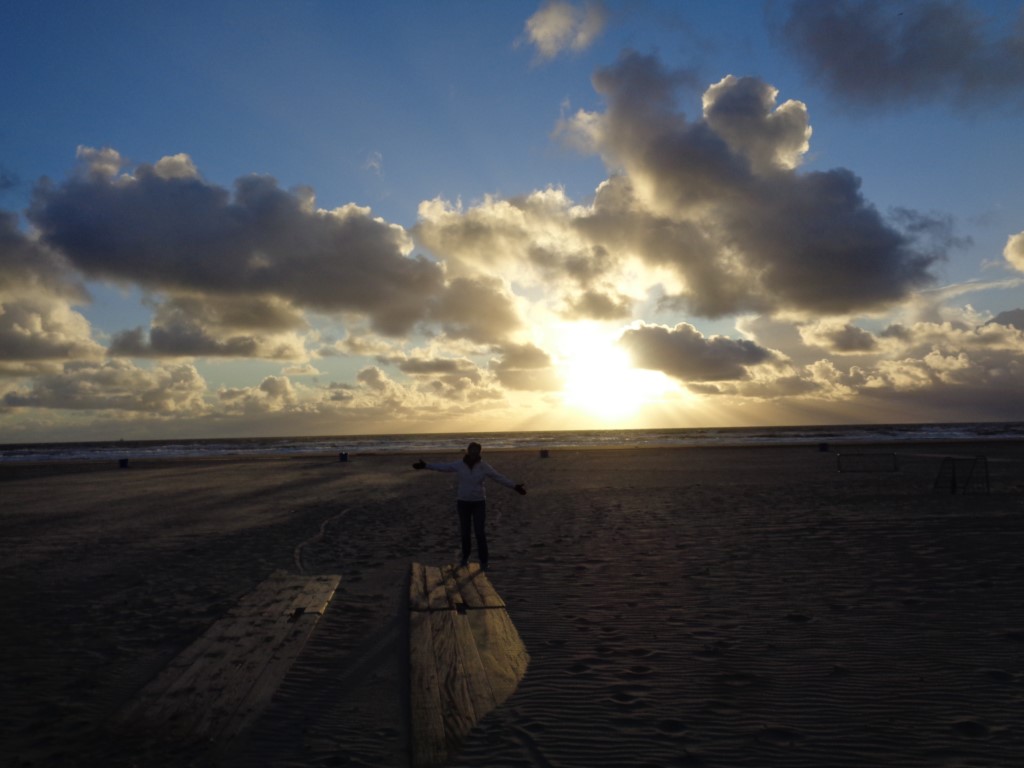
<point>471,479</point>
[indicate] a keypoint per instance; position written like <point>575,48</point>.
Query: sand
<point>705,607</point>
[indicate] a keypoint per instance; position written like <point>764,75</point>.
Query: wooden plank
<point>315,596</point>
<point>264,656</point>
<point>176,706</point>
<point>437,599</point>
<point>465,656</point>
<point>451,587</point>
<point>223,679</point>
<point>488,595</point>
<point>471,598</point>
<point>245,662</point>
<point>457,707</point>
<point>502,652</point>
<point>418,588</point>
<point>477,681</point>
<point>428,736</point>
<point>271,597</point>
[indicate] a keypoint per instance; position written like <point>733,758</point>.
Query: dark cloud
<point>447,377</point>
<point>8,180</point>
<point>526,367</point>
<point>744,229</point>
<point>192,341</point>
<point>873,52</point>
<point>166,229</point>
<point>227,326</point>
<point>1014,317</point>
<point>477,309</point>
<point>848,338</point>
<point>685,353</point>
<point>27,266</point>
<point>596,305</point>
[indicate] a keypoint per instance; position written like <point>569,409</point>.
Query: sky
<point>227,219</point>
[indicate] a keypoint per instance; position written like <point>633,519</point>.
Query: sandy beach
<point>690,607</point>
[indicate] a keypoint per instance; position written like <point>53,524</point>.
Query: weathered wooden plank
<point>489,597</point>
<point>437,599</point>
<point>502,652</point>
<point>271,597</point>
<point>418,588</point>
<point>268,680</point>
<point>315,596</point>
<point>428,734</point>
<point>220,682</point>
<point>457,708</point>
<point>477,680</point>
<point>190,691</point>
<point>451,587</point>
<point>467,587</point>
<point>477,655</point>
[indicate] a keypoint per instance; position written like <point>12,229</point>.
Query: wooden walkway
<point>465,657</point>
<point>219,684</point>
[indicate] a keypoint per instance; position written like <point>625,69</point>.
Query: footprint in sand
<point>738,679</point>
<point>970,729</point>
<point>671,727</point>
<point>779,734</point>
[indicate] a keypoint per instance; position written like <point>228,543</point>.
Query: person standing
<point>470,499</point>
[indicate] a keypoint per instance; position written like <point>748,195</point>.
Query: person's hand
<point>421,464</point>
<point>520,490</point>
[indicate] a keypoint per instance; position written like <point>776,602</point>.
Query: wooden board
<point>219,684</point>
<point>465,657</point>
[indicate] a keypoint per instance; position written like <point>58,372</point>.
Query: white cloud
<point>1014,251</point>
<point>164,390</point>
<point>561,26</point>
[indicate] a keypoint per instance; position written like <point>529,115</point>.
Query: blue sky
<point>249,218</point>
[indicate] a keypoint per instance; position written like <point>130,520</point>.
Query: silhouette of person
<point>470,499</point>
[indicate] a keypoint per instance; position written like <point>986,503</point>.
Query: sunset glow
<point>600,378</point>
<point>332,218</point>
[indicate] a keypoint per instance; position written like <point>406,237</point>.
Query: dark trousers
<point>473,514</point>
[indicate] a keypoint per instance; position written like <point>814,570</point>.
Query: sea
<point>455,443</point>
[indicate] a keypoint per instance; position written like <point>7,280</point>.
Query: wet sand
<point>709,607</point>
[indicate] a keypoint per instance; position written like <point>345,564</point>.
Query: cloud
<point>38,329</point>
<point>1014,317</point>
<point>872,52</point>
<point>28,266</point>
<point>165,390</point>
<point>561,26</point>
<point>274,394</point>
<point>526,367</point>
<point>163,228</point>
<point>597,305</point>
<point>839,338</point>
<point>1014,251</point>
<point>222,326</point>
<point>38,325</point>
<point>685,353</point>
<point>722,202</point>
<point>478,309</point>
<point>8,180</point>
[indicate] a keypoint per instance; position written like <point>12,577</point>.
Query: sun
<point>599,376</point>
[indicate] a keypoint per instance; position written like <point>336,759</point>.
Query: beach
<point>721,606</point>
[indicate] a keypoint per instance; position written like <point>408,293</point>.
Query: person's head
<point>472,454</point>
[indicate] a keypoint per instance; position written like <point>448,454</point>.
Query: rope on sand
<point>297,552</point>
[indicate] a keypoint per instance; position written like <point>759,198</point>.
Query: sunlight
<point>599,376</point>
